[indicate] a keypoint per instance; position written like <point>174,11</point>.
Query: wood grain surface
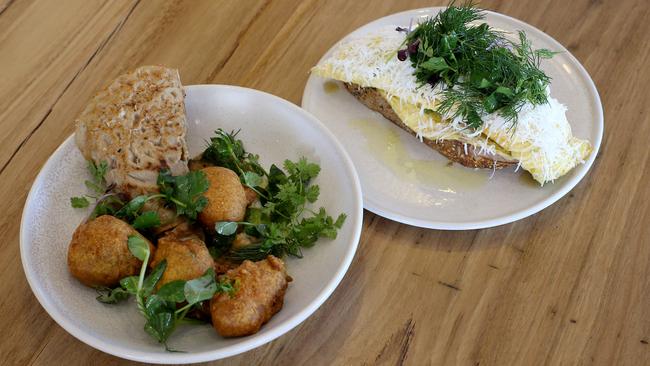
<point>569,285</point>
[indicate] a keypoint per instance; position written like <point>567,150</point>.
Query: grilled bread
<point>540,141</point>
<point>456,151</point>
<point>137,125</point>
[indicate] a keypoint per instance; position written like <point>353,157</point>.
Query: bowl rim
<point>355,218</point>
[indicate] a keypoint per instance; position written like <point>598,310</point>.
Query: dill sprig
<point>481,71</point>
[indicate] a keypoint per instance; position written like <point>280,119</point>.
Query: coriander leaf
<point>79,202</point>
<point>312,193</point>
<point>98,171</point>
<point>138,247</point>
<point>146,220</point>
<point>302,170</point>
<point>185,191</point>
<point>111,296</point>
<point>225,227</point>
<point>98,184</point>
<point>131,209</point>
<point>94,187</point>
<point>280,224</point>
<point>172,291</point>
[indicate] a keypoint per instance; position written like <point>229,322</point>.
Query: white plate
<point>271,127</point>
<point>408,182</point>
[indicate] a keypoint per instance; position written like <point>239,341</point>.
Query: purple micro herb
<point>402,54</point>
<point>413,47</point>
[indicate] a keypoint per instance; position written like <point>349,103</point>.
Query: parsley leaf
<point>146,220</point>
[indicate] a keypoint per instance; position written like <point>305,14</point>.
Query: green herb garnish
<point>283,224</point>
<point>481,71</point>
<point>184,191</point>
<point>97,184</point>
<point>79,202</point>
<point>227,151</point>
<point>162,309</point>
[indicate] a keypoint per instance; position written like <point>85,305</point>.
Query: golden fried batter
<point>251,196</point>
<point>226,197</point>
<point>186,254</point>
<point>99,255</point>
<point>260,294</point>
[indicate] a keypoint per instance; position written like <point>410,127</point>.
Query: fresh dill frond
<point>481,71</point>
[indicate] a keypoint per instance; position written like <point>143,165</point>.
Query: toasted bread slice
<point>137,126</point>
<point>454,150</point>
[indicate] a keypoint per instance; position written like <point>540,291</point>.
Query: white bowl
<point>271,127</point>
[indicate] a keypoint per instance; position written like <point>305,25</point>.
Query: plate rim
<point>513,217</point>
<point>355,218</point>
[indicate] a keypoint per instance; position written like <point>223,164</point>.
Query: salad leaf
<point>79,202</point>
<point>146,220</point>
<point>138,247</point>
<point>184,191</point>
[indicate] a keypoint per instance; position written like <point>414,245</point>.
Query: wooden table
<point>569,285</point>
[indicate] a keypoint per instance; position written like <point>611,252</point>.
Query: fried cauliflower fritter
<point>260,294</point>
<point>226,197</point>
<point>99,255</point>
<point>251,196</point>
<point>186,254</point>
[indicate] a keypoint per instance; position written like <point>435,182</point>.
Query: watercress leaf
<point>200,289</point>
<point>160,325</point>
<point>226,227</point>
<point>130,284</point>
<point>79,202</point>
<point>138,247</point>
<point>172,291</point>
<point>146,220</point>
<point>152,279</point>
<point>252,179</point>
<point>155,304</point>
<point>107,295</point>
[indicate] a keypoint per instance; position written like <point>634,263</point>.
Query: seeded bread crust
<point>454,150</point>
<point>137,125</point>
